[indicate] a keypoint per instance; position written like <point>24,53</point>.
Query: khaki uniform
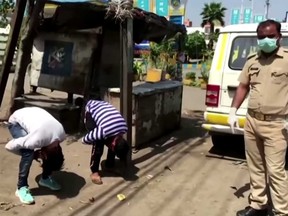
<point>265,136</point>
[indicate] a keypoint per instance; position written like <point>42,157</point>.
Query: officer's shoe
<point>249,211</point>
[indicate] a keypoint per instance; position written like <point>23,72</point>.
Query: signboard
<point>235,16</point>
<point>177,19</point>
<point>162,7</point>
<point>143,4</point>
<point>57,59</point>
<point>258,18</point>
<point>177,7</point>
<point>247,15</point>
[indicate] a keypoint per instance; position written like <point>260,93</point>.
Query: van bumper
<point>218,122</point>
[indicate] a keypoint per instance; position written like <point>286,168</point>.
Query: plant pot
<point>200,79</point>
<point>203,85</point>
<point>154,75</point>
<point>135,77</point>
<point>187,82</point>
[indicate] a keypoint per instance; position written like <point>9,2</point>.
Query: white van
<point>234,44</point>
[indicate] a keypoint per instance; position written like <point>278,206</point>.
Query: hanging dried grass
<point>121,9</point>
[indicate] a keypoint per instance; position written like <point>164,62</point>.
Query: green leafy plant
<point>195,45</point>
<point>190,75</point>
<point>205,74</point>
<point>212,13</point>
<point>161,53</point>
<point>5,6</point>
<point>137,67</point>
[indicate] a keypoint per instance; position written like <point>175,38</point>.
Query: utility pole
<point>267,4</point>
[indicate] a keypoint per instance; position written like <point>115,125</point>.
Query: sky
<point>277,9</point>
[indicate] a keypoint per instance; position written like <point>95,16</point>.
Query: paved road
<point>179,174</point>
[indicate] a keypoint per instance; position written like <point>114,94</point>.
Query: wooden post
<point>126,49</point>
<point>24,53</point>
<point>11,45</point>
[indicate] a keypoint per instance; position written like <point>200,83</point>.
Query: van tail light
<point>212,95</point>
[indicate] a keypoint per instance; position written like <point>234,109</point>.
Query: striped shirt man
<point>108,121</point>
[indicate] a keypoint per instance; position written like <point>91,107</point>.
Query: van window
<point>244,46</point>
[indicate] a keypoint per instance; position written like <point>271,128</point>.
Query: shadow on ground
<point>230,147</point>
<point>190,128</point>
<point>71,185</point>
<point>163,153</point>
<point>120,170</point>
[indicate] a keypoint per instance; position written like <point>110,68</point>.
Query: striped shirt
<point>108,120</point>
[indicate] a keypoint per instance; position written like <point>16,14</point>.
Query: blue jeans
<point>27,156</point>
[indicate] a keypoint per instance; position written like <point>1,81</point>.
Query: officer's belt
<point>262,117</point>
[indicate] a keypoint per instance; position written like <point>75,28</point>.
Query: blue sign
<point>144,5</point>
<point>162,7</point>
<point>176,19</point>
<point>258,18</point>
<point>247,15</point>
<point>235,16</point>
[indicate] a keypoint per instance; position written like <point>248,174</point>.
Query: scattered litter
<point>71,208</point>
<point>121,197</point>
<point>149,176</point>
<point>168,168</point>
<point>92,199</point>
<point>43,204</point>
<point>78,164</point>
<point>6,206</point>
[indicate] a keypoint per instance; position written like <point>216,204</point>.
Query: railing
<point>4,34</point>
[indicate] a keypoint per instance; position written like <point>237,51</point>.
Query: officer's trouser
<point>266,144</point>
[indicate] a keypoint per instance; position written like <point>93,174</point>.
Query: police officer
<point>265,76</point>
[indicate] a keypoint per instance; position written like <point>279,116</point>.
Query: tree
<point>211,13</point>
<point>5,6</point>
<point>195,45</point>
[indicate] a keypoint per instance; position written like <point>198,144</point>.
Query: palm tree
<point>213,13</point>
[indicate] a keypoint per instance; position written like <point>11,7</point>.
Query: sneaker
<point>49,183</point>
<point>24,195</point>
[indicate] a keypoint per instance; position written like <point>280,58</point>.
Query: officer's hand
<point>232,119</point>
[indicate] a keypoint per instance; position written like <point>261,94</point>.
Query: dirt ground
<point>179,174</point>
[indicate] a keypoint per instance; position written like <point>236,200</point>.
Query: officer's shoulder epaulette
<point>251,55</point>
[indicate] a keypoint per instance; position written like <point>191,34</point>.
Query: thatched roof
<point>77,16</point>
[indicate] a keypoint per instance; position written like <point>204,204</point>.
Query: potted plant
<point>205,77</point>
<point>189,78</point>
<point>138,70</point>
<point>160,59</point>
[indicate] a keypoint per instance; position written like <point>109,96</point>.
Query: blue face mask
<point>267,45</point>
